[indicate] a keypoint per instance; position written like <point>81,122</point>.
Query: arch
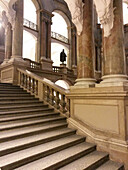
<point>63,84</point>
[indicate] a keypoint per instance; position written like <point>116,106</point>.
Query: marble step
<point>16,98</point>
<point>22,157</point>
<point>61,158</point>
<point>20,102</point>
<point>25,111</point>
<point>27,116</point>
<point>110,165</point>
<point>17,124</point>
<point>88,162</point>
<point>22,106</point>
<point>15,95</point>
<point>34,140</point>
<point>13,91</point>
<point>18,133</point>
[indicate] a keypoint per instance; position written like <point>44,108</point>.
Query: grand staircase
<point>34,137</point>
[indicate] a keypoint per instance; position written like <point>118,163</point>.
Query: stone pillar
<point>45,42</point>
<point>8,42</point>
<point>85,48</point>
<point>114,61</point>
<point>17,44</point>
<point>74,46</point>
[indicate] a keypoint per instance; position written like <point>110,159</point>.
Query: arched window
<point>60,33</point>
<point>29,38</point>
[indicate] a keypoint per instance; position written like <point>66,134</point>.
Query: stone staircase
<point>34,137</point>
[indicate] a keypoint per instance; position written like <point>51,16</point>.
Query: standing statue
<point>62,56</point>
<point>105,13</point>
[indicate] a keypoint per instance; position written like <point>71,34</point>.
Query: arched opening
<point>125,13</point>
<point>62,84</point>
<point>60,29</point>
<point>29,40</point>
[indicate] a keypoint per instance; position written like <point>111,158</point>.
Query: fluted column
<point>85,48</point>
<point>17,44</point>
<point>8,42</point>
<point>114,61</point>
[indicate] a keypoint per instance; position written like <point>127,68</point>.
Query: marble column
<point>85,48</point>
<point>114,61</point>
<point>17,44</point>
<point>8,42</point>
<point>74,46</point>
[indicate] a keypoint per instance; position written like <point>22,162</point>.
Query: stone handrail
<point>45,90</point>
<point>33,64</point>
<point>30,24</point>
<point>56,69</point>
<point>59,37</point>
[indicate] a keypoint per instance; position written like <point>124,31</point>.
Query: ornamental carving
<point>76,9</point>
<point>105,13</point>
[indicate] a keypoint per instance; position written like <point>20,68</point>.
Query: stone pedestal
<point>85,41</point>
<point>114,61</point>
<point>46,63</point>
<point>101,114</point>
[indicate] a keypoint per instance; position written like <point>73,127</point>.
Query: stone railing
<point>56,69</point>
<point>33,64</point>
<point>45,90</point>
<point>30,24</point>
<point>59,37</point>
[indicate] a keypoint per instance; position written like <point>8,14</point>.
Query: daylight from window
<point>29,40</point>
<point>59,26</point>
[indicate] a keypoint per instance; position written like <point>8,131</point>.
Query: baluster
<point>68,105</point>
<point>33,85</point>
<point>36,87</point>
<point>63,103</point>
<point>48,94</point>
<point>21,79</point>
<point>29,84</point>
<point>57,101</point>
<point>51,96</point>
<point>45,92</point>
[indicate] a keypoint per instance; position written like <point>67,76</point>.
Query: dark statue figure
<point>63,56</point>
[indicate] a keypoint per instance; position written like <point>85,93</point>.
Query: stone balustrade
<point>45,90</point>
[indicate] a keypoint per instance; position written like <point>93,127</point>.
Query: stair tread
<point>23,116</point>
<point>110,165</point>
<point>40,149</point>
<point>34,138</point>
<point>28,122</point>
<point>55,158</point>
<point>24,106</point>
<point>85,161</point>
<point>23,111</point>
<point>26,130</point>
<point>20,102</point>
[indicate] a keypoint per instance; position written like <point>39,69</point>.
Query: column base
<point>113,80</point>
<point>5,61</point>
<point>46,63</point>
<point>85,82</point>
<point>18,60</point>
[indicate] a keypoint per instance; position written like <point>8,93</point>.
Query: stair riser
<point>15,95</point>
<point>24,113</point>
<point>41,155</point>
<point>23,107</point>
<point>2,153</point>
<point>28,111</point>
<point>32,133</point>
<point>98,163</point>
<point>33,124</point>
<point>30,118</point>
<point>71,159</point>
<point>20,103</point>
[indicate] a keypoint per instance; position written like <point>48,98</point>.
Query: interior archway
<point>62,30</point>
<point>29,41</point>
